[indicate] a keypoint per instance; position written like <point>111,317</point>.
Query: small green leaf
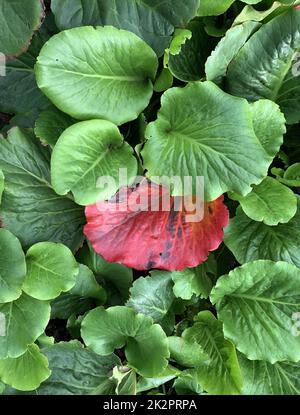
<point>26,372</point>
<point>291,176</point>
<point>270,202</point>
<point>51,269</point>
<point>213,7</point>
<point>152,296</point>
<point>188,383</point>
<point>12,267</point>
<point>256,303</point>
<point>249,240</point>
<point>126,380</point>
<point>25,320</point>
<point>106,330</point>
<point>164,81</point>
<point>86,152</point>
<point>50,124</point>
<point>221,375</point>
<point>80,81</point>
<point>196,280</point>
<point>145,384</point>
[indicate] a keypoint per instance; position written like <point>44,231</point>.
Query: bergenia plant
<point>149,197</point>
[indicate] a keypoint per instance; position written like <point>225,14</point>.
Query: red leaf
<point>153,239</point>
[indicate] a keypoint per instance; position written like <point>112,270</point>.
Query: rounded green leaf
<point>25,319</point>
<point>249,240</point>
<point>256,303</point>
<point>97,72</point>
<point>269,202</point>
<point>263,378</point>
<point>291,176</point>
<point>51,269</point>
<point>273,75</point>
<point>86,152</point>
<point>12,267</point>
<point>213,7</point>
<point>221,374</point>
<point>76,370</point>
<point>202,131</point>
<point>18,22</point>
<point>27,372</point>
<point>105,330</point>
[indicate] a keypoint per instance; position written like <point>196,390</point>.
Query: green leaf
<point>76,370</point>
<point>213,7</point>
<point>51,269</point>
<point>26,372</point>
<point>221,375</point>
<point>256,303</point>
<point>270,202</point>
<point>19,91</point>
<point>18,22</point>
<point>86,152</point>
<point>116,278</point>
<point>2,184</point>
<point>106,330</point>
<point>108,66</point>
<point>199,133</point>
<point>192,281</point>
<point>12,267</point>
<point>188,63</point>
<point>30,208</point>
<point>249,13</point>
<point>85,293</point>
<point>249,240</point>
<point>152,20</point>
<point>291,176</point>
<point>187,383</point>
<point>146,384</point>
<point>226,50</point>
<point>152,296</point>
<point>50,124</point>
<point>185,353</point>
<point>272,75</point>
<point>25,320</point>
<point>164,81</point>
<point>126,380</point>
<point>263,378</point>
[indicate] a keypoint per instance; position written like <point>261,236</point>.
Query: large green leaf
<point>25,320</point>
<point>271,76</point>
<point>105,330</point>
<point>50,124</point>
<point>12,267</point>
<point>77,371</point>
<point>152,20</point>
<point>30,208</point>
<point>249,240</point>
<point>26,372</point>
<point>202,131</point>
<point>107,75</point>
<point>51,269</point>
<point>86,152</point>
<point>19,91</point>
<point>228,47</point>
<point>270,202</point>
<point>263,378</point>
<point>256,303</point>
<point>152,296</point>
<point>221,375</point>
<point>18,22</point>
<point>185,353</point>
